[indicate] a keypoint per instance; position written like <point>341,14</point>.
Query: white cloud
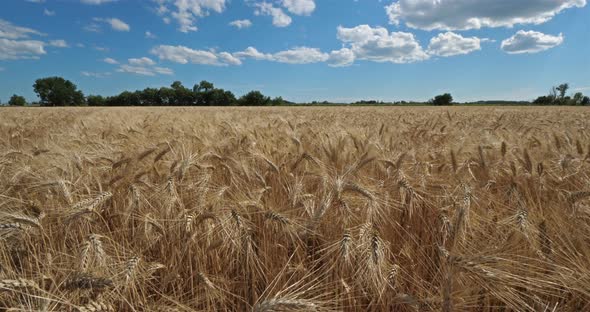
<point>228,58</point>
<point>144,61</point>
<point>530,42</point>
<point>143,66</point>
<point>118,24</point>
<point>96,2</point>
<point>449,44</point>
<point>144,71</point>
<point>10,31</point>
<point>184,55</point>
<point>21,49</point>
<point>115,23</point>
<point>11,48</point>
<point>279,18</point>
<point>252,53</point>
<point>299,7</point>
<point>186,12</point>
<point>301,55</point>
<point>341,58</point>
<point>239,24</point>
<point>109,60</point>
<point>378,45</point>
<point>48,12</point>
<point>475,14</point>
<point>58,43</point>
<point>150,35</point>
<point>95,74</point>
<point>163,70</point>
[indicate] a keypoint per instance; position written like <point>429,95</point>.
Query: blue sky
<point>303,50</point>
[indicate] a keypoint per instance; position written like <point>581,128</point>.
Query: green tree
<point>56,91</point>
<point>150,97</point>
<point>203,86</point>
<point>168,96</point>
<point>183,95</point>
<point>577,99</point>
<point>544,100</point>
<point>443,99</point>
<point>277,101</point>
<point>585,101</point>
<point>204,93</point>
<point>17,100</point>
<point>562,89</point>
<point>220,97</point>
<point>95,100</point>
<point>254,98</point>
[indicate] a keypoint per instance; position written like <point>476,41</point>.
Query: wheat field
<point>295,209</point>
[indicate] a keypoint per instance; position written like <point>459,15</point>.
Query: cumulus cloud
<point>341,58</point>
<point>449,44</point>
<point>252,53</point>
<point>530,42</point>
<point>228,58</point>
<point>186,12</point>
<point>362,42</point>
<point>300,55</point>
<point>143,66</point>
<point>144,61</point>
<point>21,49</point>
<point>475,14</point>
<point>95,74</point>
<point>109,60</point>
<point>299,7</point>
<point>118,24</point>
<point>144,71</point>
<point>239,24</point>
<point>10,31</point>
<point>58,43</point>
<point>15,43</point>
<point>279,18</point>
<point>185,55</point>
<point>379,45</point>
<point>48,12</point>
<point>115,23</point>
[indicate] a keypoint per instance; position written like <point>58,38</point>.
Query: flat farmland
<point>295,209</point>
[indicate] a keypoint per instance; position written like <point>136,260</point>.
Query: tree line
<point>557,96</point>
<point>57,91</point>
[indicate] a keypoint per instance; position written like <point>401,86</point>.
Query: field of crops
<point>295,209</point>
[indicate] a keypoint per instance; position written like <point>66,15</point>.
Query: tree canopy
<point>17,100</point>
<point>443,99</point>
<point>56,91</point>
<point>558,96</point>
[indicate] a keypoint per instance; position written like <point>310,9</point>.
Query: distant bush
<point>17,100</point>
<point>441,100</point>
<point>254,98</point>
